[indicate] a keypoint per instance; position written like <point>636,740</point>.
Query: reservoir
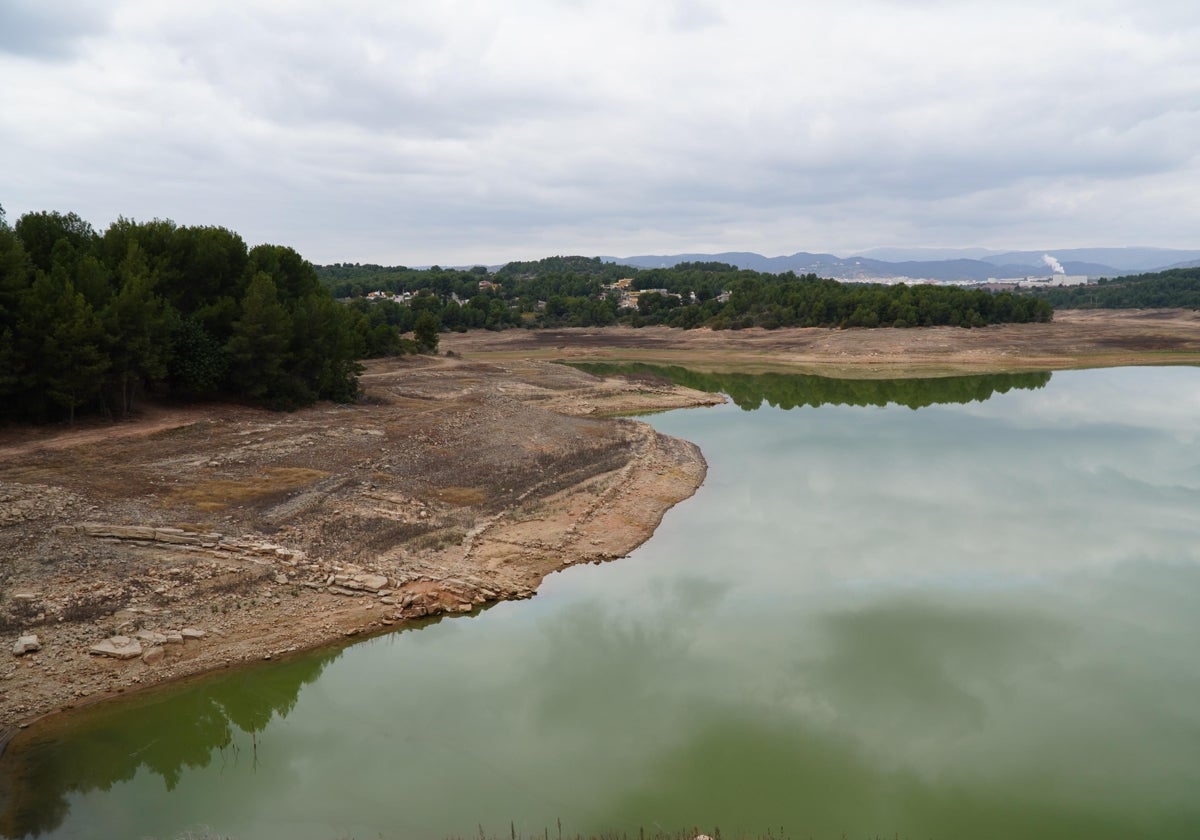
<point>963,608</point>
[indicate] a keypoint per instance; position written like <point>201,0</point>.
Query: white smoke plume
<point>1054,264</point>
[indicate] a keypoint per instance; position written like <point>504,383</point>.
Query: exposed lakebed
<point>972,617</point>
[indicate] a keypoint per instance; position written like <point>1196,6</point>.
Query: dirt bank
<point>453,485</point>
<point>1082,338</point>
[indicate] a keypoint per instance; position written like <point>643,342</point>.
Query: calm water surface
<point>963,620</point>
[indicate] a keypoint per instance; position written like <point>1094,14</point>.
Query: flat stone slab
<point>117,647</point>
<point>192,633</point>
<point>372,581</point>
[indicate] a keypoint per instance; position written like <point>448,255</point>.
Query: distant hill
<point>799,262</point>
<point>966,264</point>
<point>921,254</point>
<point>850,268</point>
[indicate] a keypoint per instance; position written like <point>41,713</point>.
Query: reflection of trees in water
<point>164,732</point>
<point>790,390</point>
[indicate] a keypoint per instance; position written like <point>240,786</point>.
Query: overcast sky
<point>463,131</point>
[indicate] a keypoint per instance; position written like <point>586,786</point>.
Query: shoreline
<point>458,483</point>
<point>595,490</point>
<point>695,471</point>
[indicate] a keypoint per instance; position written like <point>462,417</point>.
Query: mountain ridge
<point>1094,262</point>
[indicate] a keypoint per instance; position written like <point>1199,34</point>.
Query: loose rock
<point>26,644</point>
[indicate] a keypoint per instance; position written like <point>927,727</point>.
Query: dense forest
<point>580,291</point>
<point>795,390</point>
<point>1177,288</point>
<point>90,320</point>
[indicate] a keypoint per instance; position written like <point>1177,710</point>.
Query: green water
<point>976,619</point>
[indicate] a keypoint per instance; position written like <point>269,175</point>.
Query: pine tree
<point>63,344</point>
<point>425,331</point>
<point>258,348</point>
<point>137,323</point>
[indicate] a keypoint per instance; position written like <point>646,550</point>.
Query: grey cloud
<point>397,75</point>
<point>48,30</point>
<point>691,15</point>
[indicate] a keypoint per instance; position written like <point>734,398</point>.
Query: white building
<point>1045,281</point>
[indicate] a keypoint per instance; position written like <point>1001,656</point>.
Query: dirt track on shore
<point>455,482</point>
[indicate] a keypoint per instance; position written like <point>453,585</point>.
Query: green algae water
<point>895,609</point>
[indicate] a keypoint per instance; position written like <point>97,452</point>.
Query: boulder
<point>118,647</point>
<point>154,654</point>
<point>26,644</point>
<point>174,638</point>
<point>192,633</point>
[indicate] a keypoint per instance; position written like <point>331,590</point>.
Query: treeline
<point>547,292</point>
<point>1177,288</point>
<point>757,299</point>
<point>791,390</point>
<point>578,291</point>
<point>88,320</point>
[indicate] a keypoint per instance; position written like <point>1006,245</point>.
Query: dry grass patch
<point>219,494</point>
<point>439,539</point>
<point>462,496</point>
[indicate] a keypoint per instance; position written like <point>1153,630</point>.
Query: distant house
<point>402,297</point>
<point>629,297</point>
